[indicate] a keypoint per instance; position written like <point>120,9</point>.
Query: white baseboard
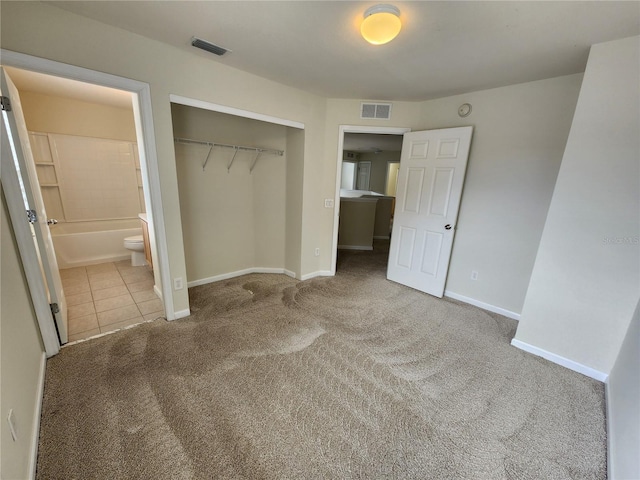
<point>35,434</point>
<point>485,306</point>
<point>610,442</point>
<point>381,237</point>
<point>565,362</point>
<point>157,291</point>
<point>319,273</point>
<point>354,247</point>
<point>181,314</point>
<point>92,261</point>
<point>239,273</point>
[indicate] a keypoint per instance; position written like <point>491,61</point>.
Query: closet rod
<point>224,145</point>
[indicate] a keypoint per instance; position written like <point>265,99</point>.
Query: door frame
<point>368,162</point>
<point>143,116</point>
<point>386,178</point>
<point>336,202</point>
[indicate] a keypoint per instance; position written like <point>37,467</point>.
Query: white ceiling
<point>444,48</point>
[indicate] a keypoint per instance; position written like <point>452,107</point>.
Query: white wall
<point>520,132</point>
<point>43,30</point>
<point>379,162</point>
<point>21,360</point>
<point>51,114</point>
<point>231,219</point>
<point>519,136</point>
<point>585,282</point>
<point>293,207</point>
<point>623,406</point>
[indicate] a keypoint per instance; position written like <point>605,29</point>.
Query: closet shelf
<point>258,151</point>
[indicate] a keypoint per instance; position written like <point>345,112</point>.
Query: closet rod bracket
<point>232,160</point>
<point>204,165</point>
<point>255,160</point>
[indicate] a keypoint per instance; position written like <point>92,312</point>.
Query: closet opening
<point>240,190</point>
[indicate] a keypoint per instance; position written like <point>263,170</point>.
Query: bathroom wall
<point>81,145</point>
<point>89,173</point>
<point>52,114</point>
<point>233,219</point>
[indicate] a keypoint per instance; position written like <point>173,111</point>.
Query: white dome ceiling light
<point>381,24</point>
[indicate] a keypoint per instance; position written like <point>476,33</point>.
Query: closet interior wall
<point>232,219</point>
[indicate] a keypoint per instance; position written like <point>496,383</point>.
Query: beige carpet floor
<point>334,378</point>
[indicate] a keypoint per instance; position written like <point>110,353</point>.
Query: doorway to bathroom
<point>85,148</point>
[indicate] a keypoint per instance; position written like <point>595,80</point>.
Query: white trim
<point>565,362</point>
<point>355,247</point>
<point>35,434</point>
<point>336,211</point>
<point>239,273</point>
<point>157,291</point>
<point>319,273</point>
<point>182,313</point>
<point>93,261</point>
<point>609,420</point>
<point>26,247</point>
<point>147,149</point>
<point>484,306</point>
<point>192,102</point>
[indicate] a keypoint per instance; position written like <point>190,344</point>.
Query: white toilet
<point>136,245</point>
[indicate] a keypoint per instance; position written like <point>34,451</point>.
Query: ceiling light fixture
<point>381,24</point>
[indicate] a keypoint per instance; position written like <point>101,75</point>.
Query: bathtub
<point>87,243</point>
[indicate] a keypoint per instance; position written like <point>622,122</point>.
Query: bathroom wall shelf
<point>258,151</point>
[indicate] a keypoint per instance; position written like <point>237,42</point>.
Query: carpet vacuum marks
<point>342,377</point>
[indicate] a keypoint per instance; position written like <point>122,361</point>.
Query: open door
<point>432,169</point>
<point>25,168</point>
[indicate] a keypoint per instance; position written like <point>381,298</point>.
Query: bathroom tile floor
<point>108,296</point>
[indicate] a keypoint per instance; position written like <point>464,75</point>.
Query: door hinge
<point>54,308</point>
<point>32,216</point>
<point>5,103</point>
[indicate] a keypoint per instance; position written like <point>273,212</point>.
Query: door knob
<point>447,226</point>
<point>52,221</point>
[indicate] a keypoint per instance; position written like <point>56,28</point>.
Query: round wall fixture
<point>464,109</point>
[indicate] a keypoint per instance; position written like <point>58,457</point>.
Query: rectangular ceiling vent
<point>208,46</point>
<point>379,111</point>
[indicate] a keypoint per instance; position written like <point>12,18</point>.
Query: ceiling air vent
<point>380,111</point>
<point>208,46</point>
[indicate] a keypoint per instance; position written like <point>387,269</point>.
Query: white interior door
<point>26,170</point>
<point>432,169</point>
<point>364,175</point>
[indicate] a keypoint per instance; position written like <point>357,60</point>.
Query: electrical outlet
<point>328,203</point>
<point>317,252</point>
<point>11,420</point>
<point>177,283</point>
<point>474,275</point>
